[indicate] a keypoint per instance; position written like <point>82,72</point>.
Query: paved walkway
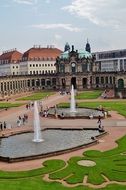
<point>114,125</point>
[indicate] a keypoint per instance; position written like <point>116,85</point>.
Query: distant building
<point>38,60</point>
<point>108,61</point>
<point>9,62</point>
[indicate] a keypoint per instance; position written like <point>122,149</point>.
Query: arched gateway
<point>73,82</point>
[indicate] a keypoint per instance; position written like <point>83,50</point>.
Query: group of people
<point>44,113</point>
<point>3,125</point>
<point>22,120</point>
<point>29,105</point>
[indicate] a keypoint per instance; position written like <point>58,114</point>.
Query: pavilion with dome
<point>75,67</point>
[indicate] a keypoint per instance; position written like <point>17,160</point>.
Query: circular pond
<point>80,113</point>
<point>56,141</point>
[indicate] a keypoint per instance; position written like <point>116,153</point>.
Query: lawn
<point>9,105</point>
<point>36,96</point>
<point>89,94</point>
<point>110,164</point>
<point>119,106</point>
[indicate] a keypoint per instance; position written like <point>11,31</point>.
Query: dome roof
<point>81,54</point>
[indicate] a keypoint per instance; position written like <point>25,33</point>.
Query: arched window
<point>106,80</point>
<point>62,68</point>
<point>97,80</point>
<point>102,80</point>
<point>110,80</point>
<point>120,83</point>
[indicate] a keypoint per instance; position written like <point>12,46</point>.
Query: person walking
<point>4,125</point>
<point>99,119</point>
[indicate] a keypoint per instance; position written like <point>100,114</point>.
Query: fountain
<point>37,128</point>
<point>19,147</point>
<point>72,112</point>
<point>72,102</point>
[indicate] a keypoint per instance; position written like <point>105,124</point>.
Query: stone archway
<point>73,82</point>
<point>120,83</point>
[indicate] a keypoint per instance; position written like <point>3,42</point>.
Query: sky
<point>25,23</point>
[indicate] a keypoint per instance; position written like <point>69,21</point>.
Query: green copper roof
<point>82,53</point>
<point>64,55</point>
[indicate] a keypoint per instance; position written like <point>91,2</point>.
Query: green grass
<point>89,94</point>
<point>36,96</point>
<point>119,106</point>
<point>111,164</point>
<point>9,105</point>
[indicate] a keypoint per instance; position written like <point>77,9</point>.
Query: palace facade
<point>72,67</point>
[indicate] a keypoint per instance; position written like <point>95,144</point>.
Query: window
<point>121,65</point>
<point>102,80</point>
<point>30,65</point>
<point>45,65</point>
<point>106,80</point>
<point>30,72</point>
<point>33,65</point>
<point>62,68</point>
<point>97,80</point>
<point>125,64</point>
<point>36,65</point>
<point>110,80</point>
<point>48,65</point>
<point>43,82</point>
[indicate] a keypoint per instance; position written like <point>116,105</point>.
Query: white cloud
<point>99,12</point>
<point>27,2</point>
<point>68,27</point>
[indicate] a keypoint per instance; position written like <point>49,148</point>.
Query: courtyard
<point>99,166</point>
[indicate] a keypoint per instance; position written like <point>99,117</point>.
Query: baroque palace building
<point>50,68</point>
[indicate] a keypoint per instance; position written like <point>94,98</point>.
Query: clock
<point>73,64</point>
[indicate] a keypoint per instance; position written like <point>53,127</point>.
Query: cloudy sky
<point>25,23</point>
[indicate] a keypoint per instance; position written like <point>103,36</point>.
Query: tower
<point>88,48</point>
<point>67,47</point>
